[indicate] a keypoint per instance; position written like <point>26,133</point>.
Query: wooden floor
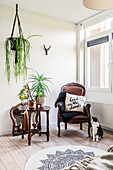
<point>14,152</point>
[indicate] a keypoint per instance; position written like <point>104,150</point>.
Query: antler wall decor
<point>46,49</point>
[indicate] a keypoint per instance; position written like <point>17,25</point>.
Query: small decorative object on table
<point>97,131</point>
<point>32,102</point>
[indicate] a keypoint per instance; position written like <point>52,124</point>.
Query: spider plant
<point>19,48</point>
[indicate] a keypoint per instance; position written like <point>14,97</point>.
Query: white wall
<point>104,113</point>
<point>102,107</point>
<point>59,64</point>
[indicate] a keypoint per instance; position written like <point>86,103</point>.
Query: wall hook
<point>46,49</point>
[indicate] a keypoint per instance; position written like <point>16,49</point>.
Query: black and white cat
<point>97,131</point>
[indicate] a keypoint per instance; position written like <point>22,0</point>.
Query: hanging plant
<point>19,47</point>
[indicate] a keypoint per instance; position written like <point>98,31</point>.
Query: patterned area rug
<point>60,157</point>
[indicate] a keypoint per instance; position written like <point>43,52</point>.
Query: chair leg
<point>66,126</point>
<point>89,125</point>
<point>80,126</point>
<point>22,136</point>
<point>58,128</point>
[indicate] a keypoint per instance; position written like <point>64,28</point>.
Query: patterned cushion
<point>74,102</point>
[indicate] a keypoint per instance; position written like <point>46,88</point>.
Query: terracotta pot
<point>32,104</point>
<point>40,100</point>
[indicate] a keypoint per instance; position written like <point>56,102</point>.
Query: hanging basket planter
<point>19,48</point>
<point>15,42</point>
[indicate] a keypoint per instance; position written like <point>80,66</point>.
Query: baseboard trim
<point>43,126</point>
<point>50,125</point>
<point>107,128</point>
<point>5,133</point>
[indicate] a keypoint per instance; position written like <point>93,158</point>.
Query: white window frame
<point>96,36</point>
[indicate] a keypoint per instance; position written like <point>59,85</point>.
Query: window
<point>99,27</point>
<point>97,55</point>
<point>97,66</point>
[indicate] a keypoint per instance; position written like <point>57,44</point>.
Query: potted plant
<point>19,48</point>
<point>24,94</point>
<point>32,102</point>
<point>39,87</point>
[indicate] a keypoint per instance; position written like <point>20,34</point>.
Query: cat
<point>97,131</point>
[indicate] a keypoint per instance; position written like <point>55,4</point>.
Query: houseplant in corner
<point>39,87</point>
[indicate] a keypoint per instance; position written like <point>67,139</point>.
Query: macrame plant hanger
<point>19,25</point>
<point>20,32</point>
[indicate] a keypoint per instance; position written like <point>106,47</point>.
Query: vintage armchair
<point>72,117</point>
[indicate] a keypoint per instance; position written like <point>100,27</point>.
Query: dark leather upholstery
<point>72,117</point>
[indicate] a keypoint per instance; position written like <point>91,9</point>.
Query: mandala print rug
<point>60,157</point>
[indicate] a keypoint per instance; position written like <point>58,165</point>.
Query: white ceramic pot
<point>40,100</point>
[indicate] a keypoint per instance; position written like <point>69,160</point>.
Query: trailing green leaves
<point>19,48</point>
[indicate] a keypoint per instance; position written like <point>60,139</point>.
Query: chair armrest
<point>61,106</point>
<point>61,98</point>
<point>87,109</point>
<point>11,112</point>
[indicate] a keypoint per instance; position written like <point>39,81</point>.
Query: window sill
<point>99,89</point>
<point>100,102</point>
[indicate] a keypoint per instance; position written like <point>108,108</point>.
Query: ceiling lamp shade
<point>98,4</point>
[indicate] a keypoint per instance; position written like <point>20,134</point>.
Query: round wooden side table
<point>38,109</point>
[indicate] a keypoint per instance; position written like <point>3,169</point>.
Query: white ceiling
<point>68,10</point>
